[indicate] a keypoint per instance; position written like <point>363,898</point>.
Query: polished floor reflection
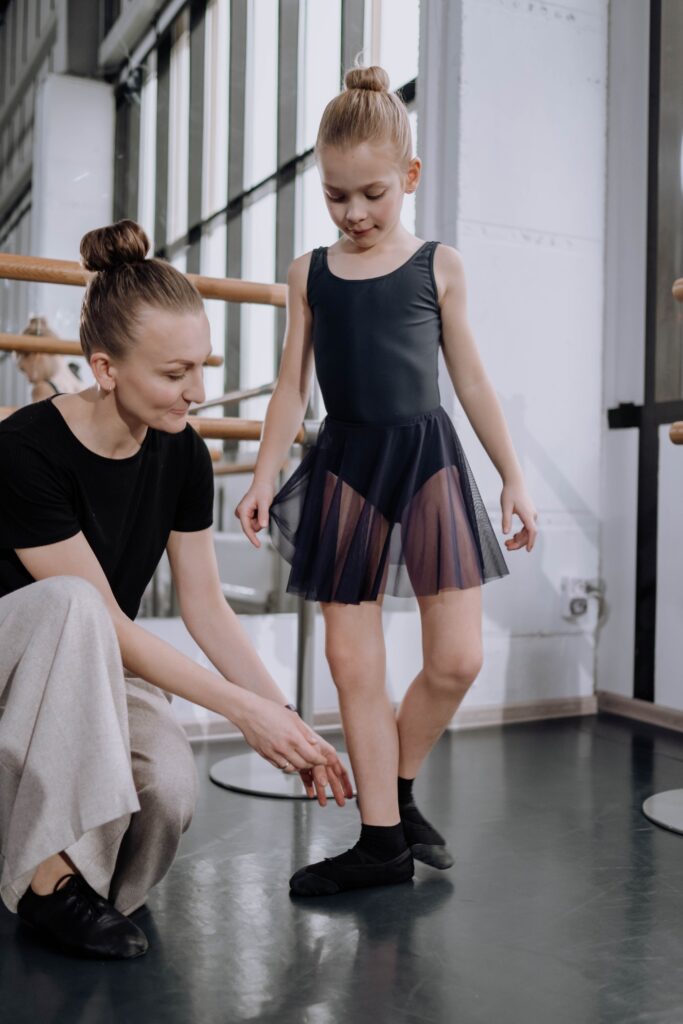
<point>565,903</point>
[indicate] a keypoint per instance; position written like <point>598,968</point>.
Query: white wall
<point>532,120</point>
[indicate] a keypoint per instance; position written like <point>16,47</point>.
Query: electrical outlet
<point>574,593</point>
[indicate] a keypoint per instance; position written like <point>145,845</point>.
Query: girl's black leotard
<point>376,340</point>
<point>385,502</point>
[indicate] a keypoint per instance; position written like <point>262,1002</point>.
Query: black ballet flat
<point>81,922</point>
<point>333,875</point>
<point>426,844</point>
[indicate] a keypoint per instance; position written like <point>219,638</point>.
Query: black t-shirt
<point>52,487</point>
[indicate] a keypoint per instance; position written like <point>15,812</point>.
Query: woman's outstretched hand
<point>283,739</point>
<point>252,511</point>
<point>515,500</point>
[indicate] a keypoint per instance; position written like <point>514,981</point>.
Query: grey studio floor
<point>565,903</point>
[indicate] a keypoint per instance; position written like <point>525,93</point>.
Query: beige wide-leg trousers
<point>92,761</point>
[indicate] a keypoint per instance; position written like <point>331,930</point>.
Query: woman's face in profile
<point>162,373</point>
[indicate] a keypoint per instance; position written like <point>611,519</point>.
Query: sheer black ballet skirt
<point>385,501</point>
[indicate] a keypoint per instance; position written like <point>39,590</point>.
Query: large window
<point>217,127</point>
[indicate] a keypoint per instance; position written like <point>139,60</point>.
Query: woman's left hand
<point>515,500</point>
<point>316,780</point>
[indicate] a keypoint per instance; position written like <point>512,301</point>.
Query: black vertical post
<point>162,132</point>
<point>238,74</point>
<point>127,153</point>
<point>287,100</point>
<point>196,134</point>
<point>648,450</point>
<point>353,24</point>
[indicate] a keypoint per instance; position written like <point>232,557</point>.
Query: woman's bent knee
<point>168,795</point>
<point>68,589</point>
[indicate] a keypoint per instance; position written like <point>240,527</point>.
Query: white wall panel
<point>615,647</point>
<point>533,116</point>
<point>536,311</point>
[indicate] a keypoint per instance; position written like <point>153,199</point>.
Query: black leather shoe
<point>82,922</point>
<point>352,870</point>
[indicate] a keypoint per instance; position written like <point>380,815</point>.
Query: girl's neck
<point>398,240</point>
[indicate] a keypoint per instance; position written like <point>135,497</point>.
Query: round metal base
<point>249,773</point>
<point>666,810</point>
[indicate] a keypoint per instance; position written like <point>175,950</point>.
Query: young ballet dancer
<point>48,374</point>
<point>97,778</point>
<point>385,502</point>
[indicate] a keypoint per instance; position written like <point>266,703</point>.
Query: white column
<point>73,182</point>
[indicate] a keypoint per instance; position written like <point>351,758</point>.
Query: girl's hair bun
<point>112,246</point>
<point>37,327</point>
<point>374,78</point>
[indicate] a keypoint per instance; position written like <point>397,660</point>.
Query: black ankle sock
<point>384,842</point>
<point>415,827</point>
<point>405,791</point>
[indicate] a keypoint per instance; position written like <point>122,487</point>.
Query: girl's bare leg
<point>452,657</point>
<point>354,645</point>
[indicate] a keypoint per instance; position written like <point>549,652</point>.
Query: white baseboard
<point>529,711</point>
<point>641,710</point>
<point>466,718</point>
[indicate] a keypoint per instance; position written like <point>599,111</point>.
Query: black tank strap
<point>314,268</point>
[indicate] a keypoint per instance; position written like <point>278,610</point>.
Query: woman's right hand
<point>252,511</point>
<point>285,741</point>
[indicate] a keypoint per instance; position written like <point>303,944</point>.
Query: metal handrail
<point>231,397</point>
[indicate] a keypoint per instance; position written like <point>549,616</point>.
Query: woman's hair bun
<point>374,78</point>
<point>111,246</point>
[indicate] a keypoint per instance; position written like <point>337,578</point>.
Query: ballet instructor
<point>97,779</point>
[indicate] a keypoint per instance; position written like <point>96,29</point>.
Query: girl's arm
<point>287,406</point>
<point>272,730</point>
<point>478,397</point>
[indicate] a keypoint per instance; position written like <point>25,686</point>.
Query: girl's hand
<point>515,500</point>
<point>252,511</point>
<point>286,742</point>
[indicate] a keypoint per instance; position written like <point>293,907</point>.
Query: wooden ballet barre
<point>676,432</point>
<point>676,429</point>
<point>50,271</point>
<point>58,346</point>
<point>228,428</point>
<point>213,429</point>
<point>233,468</point>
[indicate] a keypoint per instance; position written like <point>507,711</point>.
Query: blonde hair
<point>124,281</point>
<point>366,111</point>
<point>37,327</point>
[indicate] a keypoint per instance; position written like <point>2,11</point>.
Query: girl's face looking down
<point>36,365</point>
<point>162,374</point>
<point>364,188</point>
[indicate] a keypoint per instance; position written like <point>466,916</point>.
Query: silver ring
<point>286,766</point>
